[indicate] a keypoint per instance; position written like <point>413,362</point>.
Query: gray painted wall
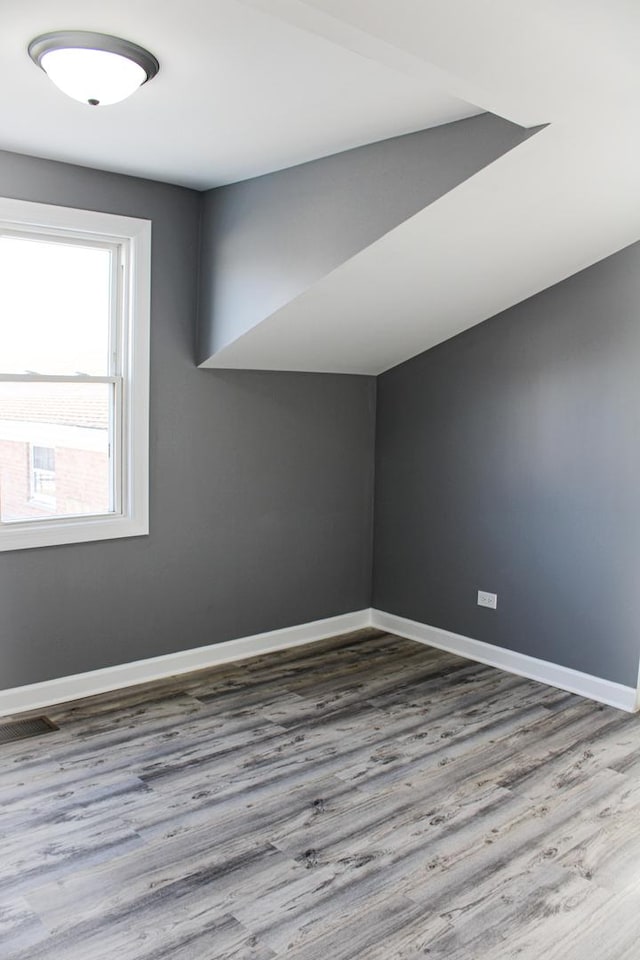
<point>267,240</point>
<point>261,484</point>
<point>508,460</point>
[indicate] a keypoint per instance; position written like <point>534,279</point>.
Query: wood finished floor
<point>365,797</point>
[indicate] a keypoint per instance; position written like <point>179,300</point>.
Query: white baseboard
<point>37,696</point>
<point>595,688</point>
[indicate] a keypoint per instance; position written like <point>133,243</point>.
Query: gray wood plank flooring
<point>364,797</point>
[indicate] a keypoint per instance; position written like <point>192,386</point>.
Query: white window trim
<point>134,237</point>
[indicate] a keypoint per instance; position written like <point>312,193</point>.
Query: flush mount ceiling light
<point>93,68</point>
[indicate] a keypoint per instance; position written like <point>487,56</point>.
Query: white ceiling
<point>562,200</point>
<point>240,92</point>
<point>248,86</point>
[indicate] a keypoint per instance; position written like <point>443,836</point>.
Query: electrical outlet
<point>489,600</point>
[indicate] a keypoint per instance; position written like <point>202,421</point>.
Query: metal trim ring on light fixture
<point>85,40</point>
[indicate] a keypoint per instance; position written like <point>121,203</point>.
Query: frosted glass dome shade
<point>93,68</point>
<point>93,76</point>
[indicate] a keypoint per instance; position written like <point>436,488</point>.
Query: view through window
<point>59,378</point>
<point>75,289</point>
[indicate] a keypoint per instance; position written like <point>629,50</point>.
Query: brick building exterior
<point>54,458</point>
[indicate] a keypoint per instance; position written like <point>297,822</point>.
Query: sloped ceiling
<point>565,198</point>
<point>252,86</point>
<point>266,242</point>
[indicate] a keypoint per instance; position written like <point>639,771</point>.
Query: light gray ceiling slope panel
<point>269,240</point>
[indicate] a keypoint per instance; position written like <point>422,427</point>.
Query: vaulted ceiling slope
<point>386,267</point>
<point>549,207</point>
<point>267,241</point>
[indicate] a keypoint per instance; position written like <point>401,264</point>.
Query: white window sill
<point>48,533</point>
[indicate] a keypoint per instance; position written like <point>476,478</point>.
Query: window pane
<point>44,458</point>
<point>54,450</point>
<point>43,475</point>
<point>54,307</point>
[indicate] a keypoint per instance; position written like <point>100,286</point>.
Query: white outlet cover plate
<point>489,600</point>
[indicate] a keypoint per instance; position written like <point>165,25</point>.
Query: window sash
<point>130,239</point>
<point>114,364</point>
<point>117,459</point>
<point>118,305</point>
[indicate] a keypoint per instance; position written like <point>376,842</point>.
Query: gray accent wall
<point>261,483</point>
<point>508,460</point>
<point>266,240</point>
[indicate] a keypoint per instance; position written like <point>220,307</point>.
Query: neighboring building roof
<point>88,412</point>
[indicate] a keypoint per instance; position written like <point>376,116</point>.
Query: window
<point>43,475</point>
<point>74,358</point>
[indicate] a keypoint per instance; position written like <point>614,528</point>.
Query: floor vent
<point>22,729</point>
